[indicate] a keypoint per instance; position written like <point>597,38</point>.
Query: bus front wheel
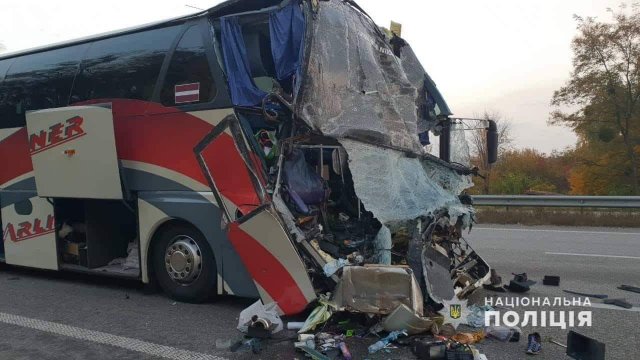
<point>183,264</point>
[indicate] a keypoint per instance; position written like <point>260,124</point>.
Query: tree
<point>604,93</point>
<point>522,171</point>
<point>478,143</point>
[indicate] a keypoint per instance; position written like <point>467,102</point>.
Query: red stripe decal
<point>14,156</point>
<point>187,87</point>
<point>267,271</point>
<point>153,134</point>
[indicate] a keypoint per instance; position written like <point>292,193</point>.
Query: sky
<point>505,56</point>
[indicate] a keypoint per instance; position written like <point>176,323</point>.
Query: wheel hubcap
<point>183,260</point>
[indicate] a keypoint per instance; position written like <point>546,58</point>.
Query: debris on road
<point>259,316</point>
<point>629,288</point>
<point>534,344</point>
<point>581,347</point>
<point>295,325</point>
<point>403,318</point>
<point>476,316</point>
<point>551,280</point>
<point>247,344</point>
<point>597,296</point>
<point>495,282</point>
<point>314,354</point>
<point>623,303</point>
<point>504,333</point>
<point>467,338</point>
<point>346,354</point>
<point>378,289</point>
<point>382,343</point>
<point>319,315</point>
<point>553,341</point>
<point>425,349</point>
<point>520,283</point>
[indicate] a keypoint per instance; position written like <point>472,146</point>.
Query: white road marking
<point>99,337</point>
<point>561,231</point>
<point>594,255</point>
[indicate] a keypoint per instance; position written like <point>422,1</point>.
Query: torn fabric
<point>286,29</point>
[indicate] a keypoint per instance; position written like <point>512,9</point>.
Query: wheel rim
<point>183,260</point>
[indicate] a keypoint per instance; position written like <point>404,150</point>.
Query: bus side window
<point>123,67</point>
<point>188,80</point>
<point>38,81</point>
<point>4,66</point>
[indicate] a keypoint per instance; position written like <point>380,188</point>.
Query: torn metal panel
<point>378,289</point>
<point>403,318</point>
<point>436,265</point>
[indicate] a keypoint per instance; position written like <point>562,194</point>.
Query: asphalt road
<point>48,315</point>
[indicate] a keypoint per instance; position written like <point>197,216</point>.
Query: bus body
<point>235,151</point>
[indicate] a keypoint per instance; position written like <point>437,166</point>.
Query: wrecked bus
<point>252,149</point>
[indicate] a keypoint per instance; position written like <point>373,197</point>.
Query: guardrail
<point>619,202</point>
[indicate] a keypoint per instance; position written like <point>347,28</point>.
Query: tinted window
<point>4,66</point>
<point>123,67</point>
<point>189,79</point>
<point>38,81</point>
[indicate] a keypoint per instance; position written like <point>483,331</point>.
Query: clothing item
<point>535,344</point>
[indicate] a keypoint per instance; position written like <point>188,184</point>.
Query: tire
<point>174,261</point>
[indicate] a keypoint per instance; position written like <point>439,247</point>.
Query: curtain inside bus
<point>286,34</point>
<point>286,29</point>
<point>244,91</point>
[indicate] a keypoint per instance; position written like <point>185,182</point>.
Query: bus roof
<point>222,9</point>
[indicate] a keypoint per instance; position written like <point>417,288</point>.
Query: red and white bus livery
<point>235,151</point>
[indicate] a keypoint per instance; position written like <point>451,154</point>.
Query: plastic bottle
<point>380,344</point>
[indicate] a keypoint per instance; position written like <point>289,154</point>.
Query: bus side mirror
<point>492,142</point>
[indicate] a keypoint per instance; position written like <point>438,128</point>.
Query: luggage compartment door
<point>73,151</point>
<point>28,230</point>
<point>257,235</point>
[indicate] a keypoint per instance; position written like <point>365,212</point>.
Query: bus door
<point>28,230</point>
<point>255,230</point>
